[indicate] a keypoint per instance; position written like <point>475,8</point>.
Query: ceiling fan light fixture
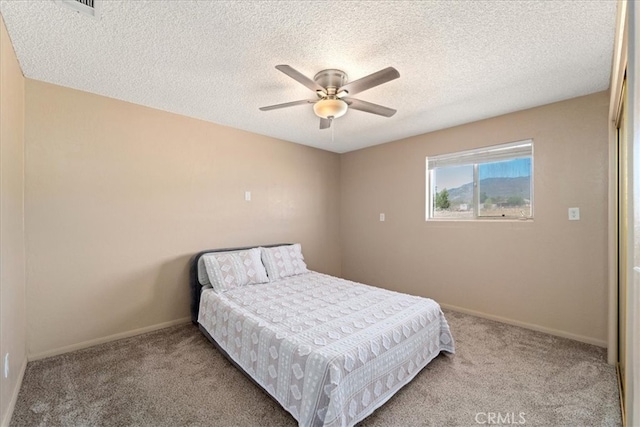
<point>326,108</point>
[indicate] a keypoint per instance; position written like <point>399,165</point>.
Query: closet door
<point>632,298</point>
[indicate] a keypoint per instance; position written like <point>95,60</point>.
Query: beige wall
<point>12,254</point>
<point>120,196</point>
<point>549,274</point>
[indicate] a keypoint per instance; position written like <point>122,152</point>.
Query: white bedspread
<point>329,350</point>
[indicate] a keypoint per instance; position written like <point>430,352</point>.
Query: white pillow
<point>203,278</point>
<point>284,261</point>
<point>229,270</point>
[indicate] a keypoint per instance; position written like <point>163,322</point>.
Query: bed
<point>328,350</point>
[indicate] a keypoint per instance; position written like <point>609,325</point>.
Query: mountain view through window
<point>482,189</point>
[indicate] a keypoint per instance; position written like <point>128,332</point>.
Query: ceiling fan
<point>334,93</point>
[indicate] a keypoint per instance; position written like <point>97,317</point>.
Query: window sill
<point>487,219</point>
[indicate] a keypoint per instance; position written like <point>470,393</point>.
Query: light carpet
<point>500,374</point>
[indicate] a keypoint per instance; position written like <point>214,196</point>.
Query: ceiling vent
<point>86,7</point>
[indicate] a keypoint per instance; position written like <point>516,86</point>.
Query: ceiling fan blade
<point>372,80</point>
<point>369,107</point>
<point>325,123</point>
<point>288,104</point>
<point>300,78</point>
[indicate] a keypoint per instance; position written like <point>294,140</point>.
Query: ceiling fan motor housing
<point>331,79</point>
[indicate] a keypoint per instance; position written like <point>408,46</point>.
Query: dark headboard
<point>194,284</point>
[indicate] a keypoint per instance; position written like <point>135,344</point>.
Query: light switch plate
<point>574,214</point>
<point>381,217</point>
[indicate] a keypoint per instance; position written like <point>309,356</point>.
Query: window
<point>485,183</point>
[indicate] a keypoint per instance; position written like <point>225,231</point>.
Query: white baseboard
<point>550,331</point>
<point>14,396</point>
<point>121,335</point>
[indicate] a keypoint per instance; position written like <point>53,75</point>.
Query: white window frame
<point>494,153</point>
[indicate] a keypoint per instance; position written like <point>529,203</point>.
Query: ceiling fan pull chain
<point>333,129</point>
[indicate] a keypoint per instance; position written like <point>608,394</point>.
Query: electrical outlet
<point>247,196</point>
<point>574,214</point>
<point>382,217</point>
<point>6,365</point>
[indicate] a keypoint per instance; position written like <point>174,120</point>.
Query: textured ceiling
<point>459,61</point>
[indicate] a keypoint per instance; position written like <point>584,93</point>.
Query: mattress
<point>330,351</point>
